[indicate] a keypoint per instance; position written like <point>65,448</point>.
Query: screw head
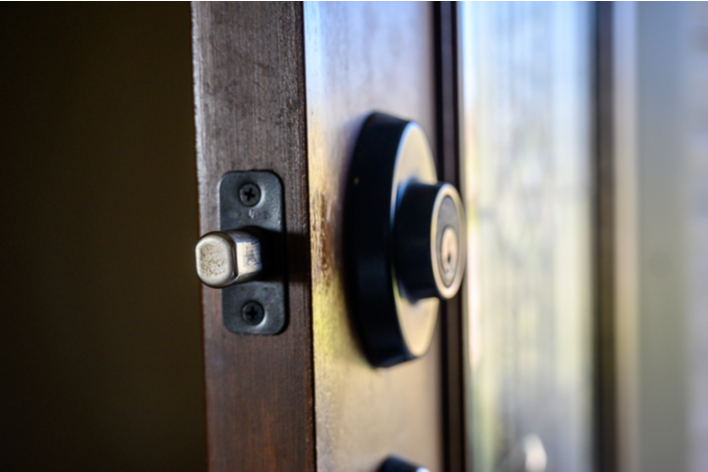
<point>253,313</point>
<point>249,194</point>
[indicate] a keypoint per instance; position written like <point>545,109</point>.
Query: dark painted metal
<point>396,464</point>
<point>262,216</point>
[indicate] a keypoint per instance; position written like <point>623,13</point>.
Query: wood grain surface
<point>360,58</point>
<point>250,114</point>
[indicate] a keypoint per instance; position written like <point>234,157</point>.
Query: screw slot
<point>249,194</point>
<point>253,313</point>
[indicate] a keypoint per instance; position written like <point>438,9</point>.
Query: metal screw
<point>249,194</point>
<point>253,313</point>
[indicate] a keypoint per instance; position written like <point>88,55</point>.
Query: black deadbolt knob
<point>404,237</point>
<point>396,464</point>
<point>427,241</point>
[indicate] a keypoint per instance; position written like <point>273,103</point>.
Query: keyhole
<point>448,253</point>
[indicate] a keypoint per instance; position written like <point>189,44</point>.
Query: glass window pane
<point>527,168</point>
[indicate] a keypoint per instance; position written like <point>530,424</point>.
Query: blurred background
<point>586,179</point>
<point>101,363</point>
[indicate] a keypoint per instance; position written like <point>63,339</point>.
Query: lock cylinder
<point>429,259</point>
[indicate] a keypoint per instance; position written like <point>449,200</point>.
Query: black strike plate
<point>259,209</point>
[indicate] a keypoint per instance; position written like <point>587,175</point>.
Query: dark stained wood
<point>605,379</point>
<point>363,57</point>
<point>447,147</point>
<point>250,114</point>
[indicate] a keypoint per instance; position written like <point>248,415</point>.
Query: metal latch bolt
<point>245,258</point>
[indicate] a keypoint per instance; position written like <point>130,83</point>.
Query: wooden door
<point>285,88</point>
<point>359,58</point>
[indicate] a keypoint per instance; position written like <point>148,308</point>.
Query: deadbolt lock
<point>405,240</point>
